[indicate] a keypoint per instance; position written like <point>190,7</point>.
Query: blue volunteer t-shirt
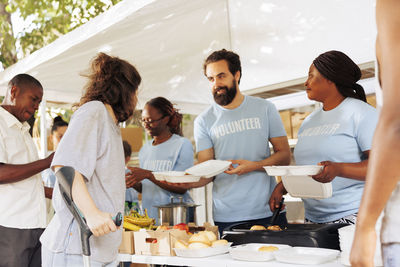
<point>175,154</point>
<point>241,133</point>
<point>338,135</point>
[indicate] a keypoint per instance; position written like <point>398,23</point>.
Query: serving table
<point>224,260</point>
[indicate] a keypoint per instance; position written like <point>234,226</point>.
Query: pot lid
<point>172,205</point>
<point>180,203</point>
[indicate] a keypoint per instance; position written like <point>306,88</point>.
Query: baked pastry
<point>181,244</point>
<point>274,228</point>
<point>221,242</point>
<point>197,245</point>
<point>200,238</point>
<point>267,248</point>
<point>258,227</point>
<point>210,235</point>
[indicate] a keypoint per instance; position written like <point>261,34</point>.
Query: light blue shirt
<point>175,154</point>
<point>241,133</point>
<point>338,135</point>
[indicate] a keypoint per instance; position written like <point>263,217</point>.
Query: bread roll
<point>268,248</point>
<point>221,242</point>
<point>274,228</point>
<point>181,244</point>
<point>210,235</point>
<point>200,238</point>
<point>197,245</point>
<point>258,227</point>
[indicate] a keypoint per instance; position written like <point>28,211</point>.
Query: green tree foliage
<point>49,19</point>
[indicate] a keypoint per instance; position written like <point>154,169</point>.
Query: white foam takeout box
<point>298,181</point>
<point>249,252</point>
<point>306,255</point>
<point>206,169</point>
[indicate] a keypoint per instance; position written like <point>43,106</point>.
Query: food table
<point>224,260</point>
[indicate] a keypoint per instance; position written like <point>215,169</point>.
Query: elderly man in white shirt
<point>22,195</point>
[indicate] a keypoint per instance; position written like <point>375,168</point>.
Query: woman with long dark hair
<point>337,136</point>
<point>92,145</point>
<point>167,151</point>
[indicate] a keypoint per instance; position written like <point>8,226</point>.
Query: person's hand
<point>136,175</point>
<point>100,223</point>
<point>328,173</point>
<point>363,248</point>
<point>244,166</point>
<point>49,159</point>
<point>276,197</point>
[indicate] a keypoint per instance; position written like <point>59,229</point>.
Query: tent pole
<point>43,130</point>
<point>229,24</point>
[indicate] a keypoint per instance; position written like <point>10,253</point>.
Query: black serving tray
<point>299,235</point>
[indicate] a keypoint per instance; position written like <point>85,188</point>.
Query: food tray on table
<point>250,252</point>
<point>205,169</point>
<point>202,252</point>
<point>306,255</point>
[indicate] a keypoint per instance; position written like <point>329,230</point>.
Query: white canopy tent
<point>168,40</point>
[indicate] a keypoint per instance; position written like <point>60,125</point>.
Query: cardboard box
<point>134,136</point>
<point>206,227</point>
<point>127,244</point>
<point>159,242</point>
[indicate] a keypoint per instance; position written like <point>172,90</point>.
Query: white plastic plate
<point>306,187</point>
<point>176,177</point>
<point>249,252</point>
<point>202,252</point>
<point>306,255</point>
<point>209,168</point>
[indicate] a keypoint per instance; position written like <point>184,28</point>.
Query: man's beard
<point>227,97</point>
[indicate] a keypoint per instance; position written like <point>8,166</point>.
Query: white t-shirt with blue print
<point>337,135</point>
<point>175,154</point>
<point>241,133</point>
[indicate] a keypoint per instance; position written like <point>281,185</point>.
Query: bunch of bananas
<point>135,221</point>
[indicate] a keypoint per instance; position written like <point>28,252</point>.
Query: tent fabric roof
<point>168,40</point>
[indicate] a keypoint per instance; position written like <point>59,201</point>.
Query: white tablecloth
<point>224,260</point>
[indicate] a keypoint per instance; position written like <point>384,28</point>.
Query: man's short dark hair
<point>231,58</point>
<point>127,149</point>
<point>23,81</point>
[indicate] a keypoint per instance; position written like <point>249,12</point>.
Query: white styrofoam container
<point>206,169</point>
<point>249,252</point>
<point>202,252</point>
<point>209,168</point>
<point>293,170</point>
<point>306,187</point>
<point>176,177</point>
<point>306,255</point>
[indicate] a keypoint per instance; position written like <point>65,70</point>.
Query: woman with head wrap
<point>337,136</point>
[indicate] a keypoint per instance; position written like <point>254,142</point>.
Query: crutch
<point>65,176</point>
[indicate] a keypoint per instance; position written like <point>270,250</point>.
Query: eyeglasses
<point>150,121</point>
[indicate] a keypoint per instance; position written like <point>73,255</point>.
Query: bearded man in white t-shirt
<point>22,195</point>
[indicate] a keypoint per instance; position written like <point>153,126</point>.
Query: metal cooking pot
<point>175,213</point>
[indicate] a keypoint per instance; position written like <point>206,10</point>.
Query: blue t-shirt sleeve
<point>185,157</point>
<point>275,124</point>
<point>201,136</point>
<point>366,128</point>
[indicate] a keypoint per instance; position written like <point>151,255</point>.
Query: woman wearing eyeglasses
<point>167,151</point>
